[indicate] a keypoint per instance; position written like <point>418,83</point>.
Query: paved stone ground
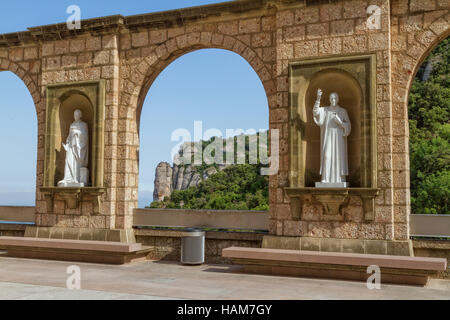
<point>37,279</point>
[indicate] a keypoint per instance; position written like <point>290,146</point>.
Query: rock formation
<point>163,181</point>
<point>178,177</point>
<point>182,176</point>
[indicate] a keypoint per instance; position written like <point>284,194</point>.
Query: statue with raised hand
<point>335,127</point>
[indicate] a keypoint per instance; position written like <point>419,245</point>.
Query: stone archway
<point>26,75</point>
<point>129,52</point>
<point>25,65</point>
<point>411,46</point>
<point>144,73</point>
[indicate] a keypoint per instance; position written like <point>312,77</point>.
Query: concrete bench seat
<point>346,266</point>
<point>73,250</point>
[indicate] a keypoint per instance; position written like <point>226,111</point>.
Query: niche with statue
<point>333,133</point>
<point>73,155</point>
<point>74,143</point>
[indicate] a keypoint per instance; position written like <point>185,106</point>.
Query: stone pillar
<point>92,213</point>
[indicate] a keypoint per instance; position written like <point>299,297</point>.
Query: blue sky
<point>214,86</point>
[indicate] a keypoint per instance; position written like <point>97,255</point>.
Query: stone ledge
<point>246,236</point>
<point>14,226</point>
<point>218,235</point>
<point>164,19</point>
<point>432,244</point>
<point>382,247</point>
<point>434,249</point>
<point>14,229</point>
<point>118,235</point>
<point>206,219</point>
<point>70,244</point>
<point>18,214</point>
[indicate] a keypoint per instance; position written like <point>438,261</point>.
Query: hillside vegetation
<point>429,115</point>
<point>237,187</point>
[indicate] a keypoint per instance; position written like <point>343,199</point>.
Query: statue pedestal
<point>332,199</point>
<point>72,196</point>
<point>70,185</point>
<point>332,185</point>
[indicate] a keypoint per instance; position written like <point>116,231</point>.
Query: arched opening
<point>18,142</point>
<point>429,124</point>
<point>222,91</point>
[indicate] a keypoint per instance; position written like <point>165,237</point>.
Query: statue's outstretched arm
<point>319,116</point>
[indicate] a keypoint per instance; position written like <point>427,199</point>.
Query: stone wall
<point>11,230</point>
<point>434,249</point>
<point>17,213</point>
<point>166,245</point>
<point>339,29</point>
<point>90,57</point>
<point>130,52</point>
<point>334,30</point>
<point>213,219</point>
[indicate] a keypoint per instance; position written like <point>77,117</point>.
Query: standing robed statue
<point>77,154</point>
<point>335,127</point>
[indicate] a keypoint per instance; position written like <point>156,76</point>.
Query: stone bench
<point>74,250</point>
<point>336,265</point>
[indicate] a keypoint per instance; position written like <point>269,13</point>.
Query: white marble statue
<point>76,173</point>
<point>335,127</point>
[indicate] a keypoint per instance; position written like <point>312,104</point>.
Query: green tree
<point>238,187</point>
<point>429,120</point>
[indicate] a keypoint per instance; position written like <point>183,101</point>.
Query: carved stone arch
<point>425,52</point>
<point>69,93</point>
<point>172,49</point>
<point>405,64</point>
<point>427,40</point>
<point>31,82</point>
<point>28,79</point>
<point>138,76</point>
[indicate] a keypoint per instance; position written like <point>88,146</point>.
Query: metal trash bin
<point>193,247</point>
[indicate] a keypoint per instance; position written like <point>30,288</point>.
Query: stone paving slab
<point>40,279</point>
<point>18,291</point>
